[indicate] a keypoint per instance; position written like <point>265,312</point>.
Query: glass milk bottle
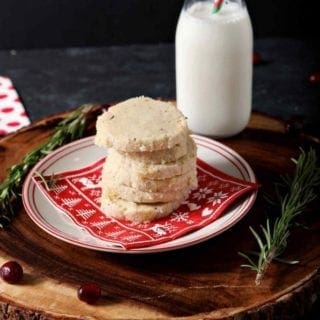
<point>214,66</point>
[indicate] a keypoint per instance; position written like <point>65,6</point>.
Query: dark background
<point>132,40</point>
<point>63,23</point>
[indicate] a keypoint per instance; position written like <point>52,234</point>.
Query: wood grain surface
<point>204,281</point>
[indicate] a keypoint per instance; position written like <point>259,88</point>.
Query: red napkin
<point>77,194</point>
<point>12,113</point>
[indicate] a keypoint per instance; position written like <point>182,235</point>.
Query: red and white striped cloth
<point>13,115</point>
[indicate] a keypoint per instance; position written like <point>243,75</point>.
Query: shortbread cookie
<point>155,171</point>
<point>137,212</point>
<point>123,177</point>
<point>131,194</point>
<point>141,124</point>
<point>159,156</point>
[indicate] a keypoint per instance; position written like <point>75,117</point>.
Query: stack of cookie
<point>151,164</point>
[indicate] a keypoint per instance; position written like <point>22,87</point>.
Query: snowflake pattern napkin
<point>77,194</point>
<point>12,113</point>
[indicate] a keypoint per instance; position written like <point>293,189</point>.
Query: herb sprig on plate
<point>67,130</point>
<point>292,194</point>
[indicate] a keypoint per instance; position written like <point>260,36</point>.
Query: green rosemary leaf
<point>252,264</point>
<point>266,232</point>
<point>249,266</point>
<point>255,253</point>
<point>293,194</point>
<point>261,245</point>
<point>49,183</point>
<point>70,128</point>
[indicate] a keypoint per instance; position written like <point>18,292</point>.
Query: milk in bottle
<point>214,67</point>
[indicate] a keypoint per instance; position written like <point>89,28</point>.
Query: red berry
<point>256,58</point>
<point>11,272</point>
<point>315,77</point>
<point>89,293</point>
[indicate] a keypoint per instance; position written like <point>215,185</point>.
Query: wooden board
<point>204,281</point>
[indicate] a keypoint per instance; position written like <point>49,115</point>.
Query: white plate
<point>83,152</point>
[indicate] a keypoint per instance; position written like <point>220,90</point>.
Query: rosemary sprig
<point>67,130</point>
<point>49,183</point>
<point>293,194</point>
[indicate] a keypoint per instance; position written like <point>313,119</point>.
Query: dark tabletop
<point>55,80</point>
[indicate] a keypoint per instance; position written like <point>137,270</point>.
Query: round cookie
<point>123,177</point>
<point>137,212</point>
<point>151,171</point>
<point>141,124</point>
<point>159,156</point>
<point>131,194</point>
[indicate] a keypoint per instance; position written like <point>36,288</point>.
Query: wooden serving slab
<point>203,281</point>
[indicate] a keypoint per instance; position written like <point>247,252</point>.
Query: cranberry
<point>89,293</point>
<point>257,59</point>
<point>11,272</point>
<point>315,77</point>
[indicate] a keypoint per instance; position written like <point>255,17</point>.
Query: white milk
<point>214,67</point>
